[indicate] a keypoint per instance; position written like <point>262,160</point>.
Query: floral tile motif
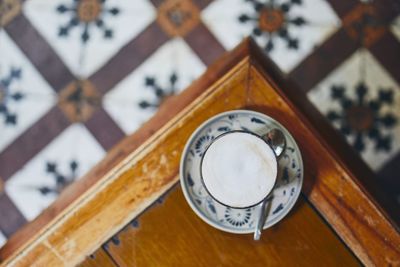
<point>395,27</point>
<point>138,96</point>
<point>359,97</point>
<point>178,17</point>
<point>86,34</point>
<point>84,14</point>
<point>3,239</point>
<point>363,102</point>
<point>64,160</point>
<point>8,10</point>
<point>288,30</point>
<point>79,100</point>
<point>24,95</point>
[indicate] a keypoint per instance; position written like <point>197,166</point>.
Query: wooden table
<point>341,218</point>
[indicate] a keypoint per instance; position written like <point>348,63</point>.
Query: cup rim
<point>232,132</point>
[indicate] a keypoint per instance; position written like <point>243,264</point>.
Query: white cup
<point>239,169</point>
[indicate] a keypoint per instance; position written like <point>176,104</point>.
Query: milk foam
<point>239,169</point>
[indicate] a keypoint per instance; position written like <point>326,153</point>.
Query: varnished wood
<point>126,182</point>
<point>329,184</point>
<point>170,234</point>
<point>167,111</point>
<point>130,186</point>
<point>98,259</point>
<point>334,141</point>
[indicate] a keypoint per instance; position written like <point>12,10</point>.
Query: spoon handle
<point>261,220</point>
<point>276,139</point>
<point>264,210</point>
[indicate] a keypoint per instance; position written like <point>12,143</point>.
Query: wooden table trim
<point>124,191</point>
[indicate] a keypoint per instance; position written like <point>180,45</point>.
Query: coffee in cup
<point>239,169</point>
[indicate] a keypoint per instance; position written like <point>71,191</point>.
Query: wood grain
<point>98,259</point>
<point>170,234</point>
<point>127,182</point>
<point>130,186</point>
<point>170,108</point>
<point>330,186</point>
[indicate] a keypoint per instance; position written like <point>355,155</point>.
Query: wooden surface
<point>98,259</point>
<point>170,234</point>
<point>170,108</point>
<point>138,178</point>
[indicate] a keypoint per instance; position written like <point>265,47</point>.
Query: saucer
<point>239,221</point>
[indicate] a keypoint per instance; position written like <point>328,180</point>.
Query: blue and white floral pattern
<point>284,196</point>
<point>363,118</point>
<point>6,96</point>
<point>87,14</point>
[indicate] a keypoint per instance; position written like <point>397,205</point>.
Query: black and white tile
<point>86,37</point>
<point>64,160</point>
<point>395,27</point>
<point>362,101</point>
<point>24,95</point>
<point>168,71</point>
<point>87,34</point>
<point>3,239</point>
<point>288,30</point>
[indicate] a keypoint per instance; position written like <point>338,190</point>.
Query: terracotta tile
<point>9,9</point>
<point>178,17</point>
<point>79,100</point>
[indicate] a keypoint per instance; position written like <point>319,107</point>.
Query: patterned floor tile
<point>24,95</point>
<point>136,98</point>
<point>395,27</point>
<point>2,239</point>
<point>65,159</point>
<point>363,102</point>
<point>86,34</point>
<point>288,30</point>
<point>121,53</point>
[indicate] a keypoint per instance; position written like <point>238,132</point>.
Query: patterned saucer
<point>240,221</point>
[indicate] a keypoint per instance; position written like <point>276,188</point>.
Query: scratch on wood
<point>55,252</point>
<point>68,247</point>
<point>392,262</point>
<point>370,220</point>
<point>163,160</point>
<point>144,168</point>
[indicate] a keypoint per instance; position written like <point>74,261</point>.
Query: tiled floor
<point>3,239</point>
<point>63,160</point>
<point>360,87</point>
<point>306,24</point>
<point>77,76</point>
<point>168,70</point>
